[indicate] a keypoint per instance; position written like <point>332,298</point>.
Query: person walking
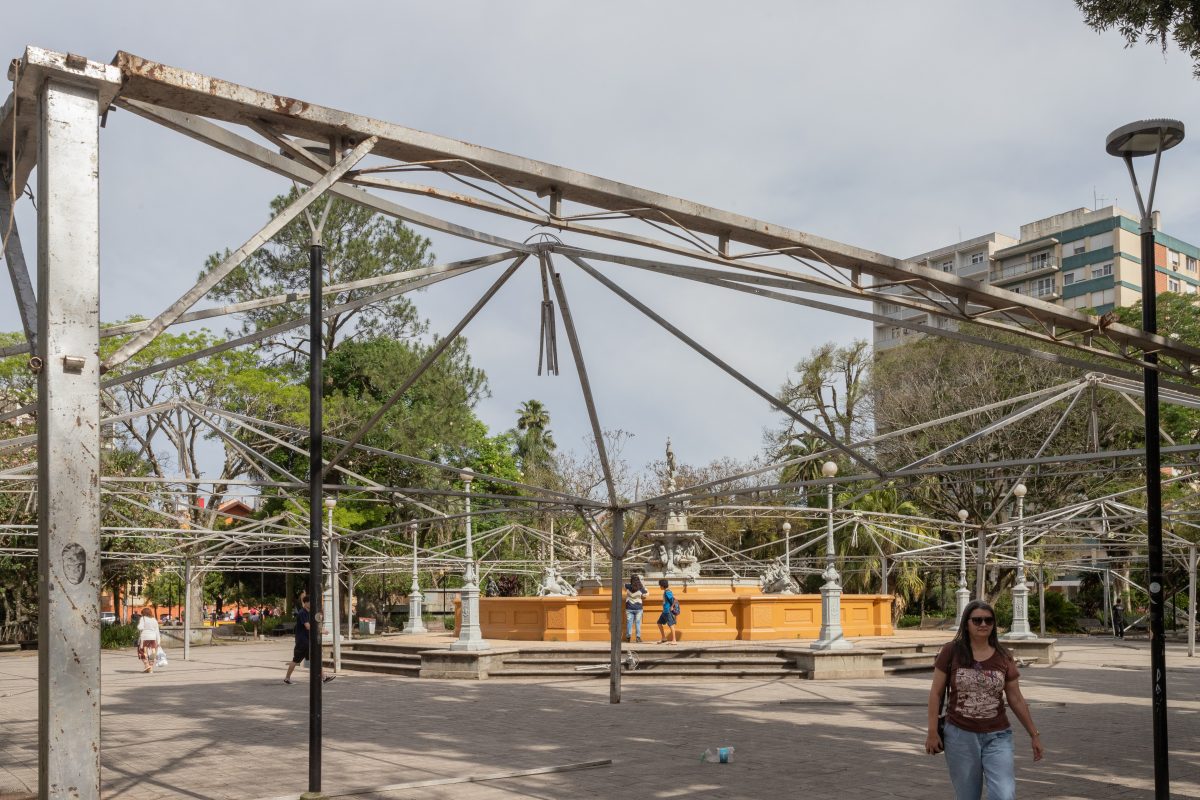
<point>300,650</point>
<point>1118,618</point>
<point>669,615</point>
<point>635,596</point>
<point>975,675</point>
<point>147,639</point>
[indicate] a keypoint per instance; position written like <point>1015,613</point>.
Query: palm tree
<point>534,442</point>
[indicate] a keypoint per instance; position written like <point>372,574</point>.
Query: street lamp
<point>787,556</point>
<point>470,635</point>
<point>1020,591</point>
<point>962,595</point>
<point>1151,137</point>
<point>830,637</point>
<point>416,622</point>
<point>332,606</point>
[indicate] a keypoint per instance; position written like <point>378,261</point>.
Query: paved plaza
<point>225,726</point>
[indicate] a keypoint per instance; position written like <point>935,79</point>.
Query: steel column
<point>1154,544</point>
<point>616,605</point>
<point>1192,601</point>
<point>315,473</point>
<point>68,442</point>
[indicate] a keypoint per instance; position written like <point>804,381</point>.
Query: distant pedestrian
<point>978,674</point>
<point>1118,618</point>
<point>148,639</point>
<point>300,650</point>
<point>635,596</point>
<point>669,615</point>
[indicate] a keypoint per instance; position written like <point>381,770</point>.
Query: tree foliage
<point>1149,21</point>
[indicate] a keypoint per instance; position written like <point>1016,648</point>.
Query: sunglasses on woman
<point>981,621</point>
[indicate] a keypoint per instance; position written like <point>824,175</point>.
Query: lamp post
<point>333,608</point>
<point>830,637</point>
<point>962,595</point>
<point>787,556</point>
<point>470,636</point>
<point>1151,137</point>
<point>1020,591</point>
<point>416,623</point>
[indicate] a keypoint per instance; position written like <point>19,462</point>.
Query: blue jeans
<point>633,619</point>
<point>975,757</point>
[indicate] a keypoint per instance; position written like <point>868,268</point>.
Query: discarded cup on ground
<point>717,755</point>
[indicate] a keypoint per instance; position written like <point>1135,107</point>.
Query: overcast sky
<point>898,127</point>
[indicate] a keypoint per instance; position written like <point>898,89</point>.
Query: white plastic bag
<point>161,661</point>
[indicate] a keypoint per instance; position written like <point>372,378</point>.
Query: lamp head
<point>1143,138</point>
<point>1019,490</point>
<point>330,502</point>
<point>963,514</point>
<point>466,476</point>
<point>829,469</point>
<point>787,526</point>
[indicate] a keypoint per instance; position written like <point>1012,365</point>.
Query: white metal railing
<point>1024,267</point>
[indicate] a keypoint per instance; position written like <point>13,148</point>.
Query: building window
<point>1039,261</point>
<point>1173,257</point>
<point>1076,303</point>
<point>978,258</point>
<point>1078,249</point>
<point>947,266</point>
<point>1102,270</point>
<point>135,587</point>
<point>1069,278</point>
<point>1191,264</point>
<point>1043,287</point>
<point>1172,285</point>
<point>1017,290</point>
<point>1104,298</point>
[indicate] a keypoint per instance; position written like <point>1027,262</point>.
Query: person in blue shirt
<point>666,620</point>
<point>300,651</point>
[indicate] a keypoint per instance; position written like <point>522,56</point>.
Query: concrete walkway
<point>225,726</point>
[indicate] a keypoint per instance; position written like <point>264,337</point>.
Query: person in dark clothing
<point>1118,618</point>
<point>300,651</point>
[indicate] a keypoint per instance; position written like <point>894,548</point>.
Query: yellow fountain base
<point>709,613</point>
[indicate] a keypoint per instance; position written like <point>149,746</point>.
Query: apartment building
<point>1081,259</point>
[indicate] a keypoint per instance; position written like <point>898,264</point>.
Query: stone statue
<point>555,584</point>
<point>776,579</point>
<point>671,467</point>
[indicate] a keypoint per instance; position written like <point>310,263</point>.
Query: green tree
<point>359,244</point>
<point>1149,21</point>
<point>535,445</point>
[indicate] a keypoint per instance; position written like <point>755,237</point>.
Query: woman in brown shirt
<point>980,674</point>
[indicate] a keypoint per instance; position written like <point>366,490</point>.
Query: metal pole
<point>1041,601</point>
<point>787,549</point>
<point>1192,601</point>
<point>187,609</point>
<point>830,636</point>
<point>1154,545</point>
<point>315,475</point>
<point>1106,614</point>
<point>416,612</point>
<point>470,637</point>
<point>334,580</point>
<point>616,606</point>
<point>349,605</point>
<point>962,595</point>
<point>981,566</point>
<point>1020,590</point>
<point>68,467</point>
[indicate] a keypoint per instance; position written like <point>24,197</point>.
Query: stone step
<point>379,667</point>
<point>654,651</point>
<point>380,647</point>
<point>377,657</point>
<point>726,673</point>
<point>908,662</point>
<point>650,661</point>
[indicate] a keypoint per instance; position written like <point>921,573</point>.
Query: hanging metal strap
<point>547,339</point>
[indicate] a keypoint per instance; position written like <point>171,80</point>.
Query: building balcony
<point>1022,269</point>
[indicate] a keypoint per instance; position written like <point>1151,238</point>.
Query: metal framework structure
<point>599,228</point>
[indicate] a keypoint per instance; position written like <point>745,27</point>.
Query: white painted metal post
<point>349,605</point>
<point>470,637</point>
<point>68,441</point>
<point>1020,591</point>
<point>334,572</point>
<point>416,611</point>
<point>1192,601</point>
<point>830,636</point>
<point>187,609</point>
<point>962,595</point>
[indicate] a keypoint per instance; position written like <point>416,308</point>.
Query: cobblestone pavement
<point>225,726</point>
